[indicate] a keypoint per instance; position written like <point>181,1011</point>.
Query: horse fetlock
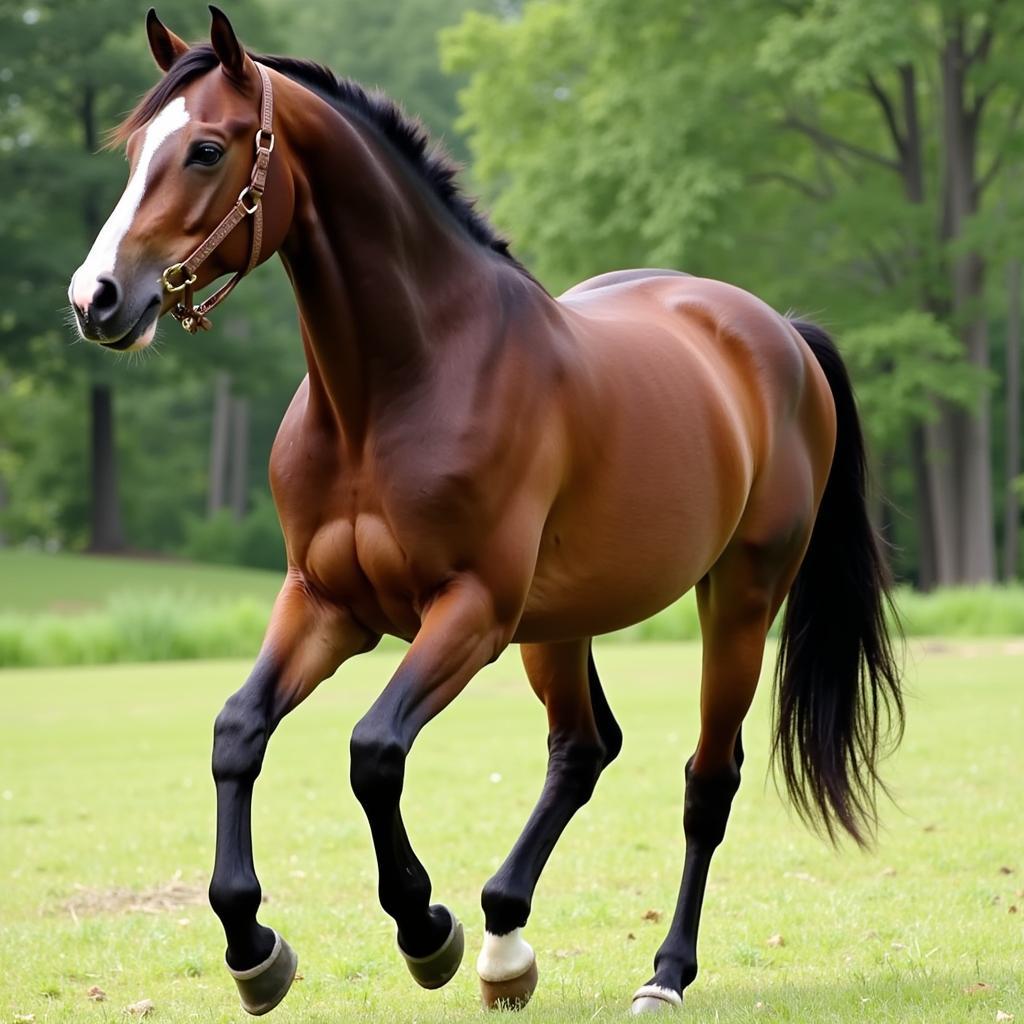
<point>505,908</point>
<point>235,897</point>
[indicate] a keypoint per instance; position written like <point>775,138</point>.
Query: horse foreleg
<point>305,643</point>
<point>583,738</point>
<point>458,636</point>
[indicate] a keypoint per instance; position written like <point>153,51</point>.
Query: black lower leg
<point>574,764</point>
<point>240,739</point>
<point>377,775</point>
<point>705,814</point>
<point>573,770</point>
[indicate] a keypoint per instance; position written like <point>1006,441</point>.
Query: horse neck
<point>381,272</point>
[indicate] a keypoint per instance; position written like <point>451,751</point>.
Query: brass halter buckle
<point>176,268</point>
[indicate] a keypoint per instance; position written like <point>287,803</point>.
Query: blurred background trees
<point>857,162</point>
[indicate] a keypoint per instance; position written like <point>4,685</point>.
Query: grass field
<point>31,582</point>
<point>106,839</point>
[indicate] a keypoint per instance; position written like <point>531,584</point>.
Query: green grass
<point>104,787</point>
<point>79,610</point>
<point>31,582</point>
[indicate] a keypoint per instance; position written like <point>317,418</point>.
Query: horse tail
<point>840,706</point>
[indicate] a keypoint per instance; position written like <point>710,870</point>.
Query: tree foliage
<point>847,160</point>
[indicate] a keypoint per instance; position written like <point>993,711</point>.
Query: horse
<point>471,463</point>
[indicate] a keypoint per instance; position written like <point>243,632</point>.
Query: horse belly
<point>648,512</point>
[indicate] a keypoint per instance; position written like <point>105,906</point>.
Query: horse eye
<point>206,154</point>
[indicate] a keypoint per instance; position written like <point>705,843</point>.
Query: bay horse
<point>472,463</point>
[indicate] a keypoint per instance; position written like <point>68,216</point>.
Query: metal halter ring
<point>176,268</point>
<point>260,132</point>
<point>254,198</point>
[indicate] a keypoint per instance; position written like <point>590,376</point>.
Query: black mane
<point>405,134</point>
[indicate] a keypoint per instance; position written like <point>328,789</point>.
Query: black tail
<point>837,679</point>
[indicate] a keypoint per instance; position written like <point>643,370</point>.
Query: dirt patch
<point>172,895</point>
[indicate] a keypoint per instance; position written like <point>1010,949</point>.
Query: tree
<point>835,157</point>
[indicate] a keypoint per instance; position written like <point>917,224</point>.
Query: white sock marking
<point>504,956</point>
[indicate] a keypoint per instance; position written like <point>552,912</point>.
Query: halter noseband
<point>180,277</point>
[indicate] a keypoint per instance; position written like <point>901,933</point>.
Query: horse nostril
<point>106,300</point>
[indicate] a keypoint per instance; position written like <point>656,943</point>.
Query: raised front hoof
<point>511,994</point>
<point>437,969</point>
<point>262,987</point>
<point>655,999</point>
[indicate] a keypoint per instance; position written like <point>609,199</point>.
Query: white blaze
<point>504,957</point>
<point>103,254</point>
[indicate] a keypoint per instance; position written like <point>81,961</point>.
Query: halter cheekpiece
<point>179,278</point>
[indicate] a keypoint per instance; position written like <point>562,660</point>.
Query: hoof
<point>508,971</point>
<point>512,994</point>
<point>262,987</point>
<point>438,968</point>
<point>655,999</point>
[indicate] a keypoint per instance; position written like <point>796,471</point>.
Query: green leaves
<point>905,368</point>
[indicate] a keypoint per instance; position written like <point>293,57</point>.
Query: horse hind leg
<point>737,602</point>
<point>583,738</point>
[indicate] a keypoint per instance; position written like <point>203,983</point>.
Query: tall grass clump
<point>131,626</point>
<point>160,626</point>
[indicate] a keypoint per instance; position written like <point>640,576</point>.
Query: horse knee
<point>707,803</point>
<point>239,740</point>
<point>378,764</point>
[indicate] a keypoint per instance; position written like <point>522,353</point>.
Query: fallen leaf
<point>96,994</point>
<point>1005,871</point>
<point>888,872</point>
<point>1013,909</point>
<point>652,915</point>
<point>1003,1018</point>
<point>142,1008</point>
<point>929,828</point>
<point>978,986</point>
<point>630,936</point>
<point>776,940</point>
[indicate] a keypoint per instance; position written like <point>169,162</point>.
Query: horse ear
<point>226,45</point>
<point>165,46</point>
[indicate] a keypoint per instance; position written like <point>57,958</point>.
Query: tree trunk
<point>3,509</point>
<point>107,532</point>
<point>927,576</point>
<point>219,437</point>
<point>966,433</point>
<point>1011,506</point>
<point>239,456</point>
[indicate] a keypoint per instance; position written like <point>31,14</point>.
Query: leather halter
<point>181,277</point>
